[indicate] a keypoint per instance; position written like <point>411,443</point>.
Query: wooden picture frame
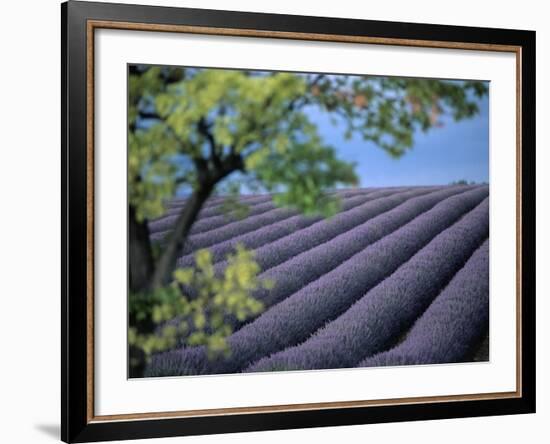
<point>80,20</point>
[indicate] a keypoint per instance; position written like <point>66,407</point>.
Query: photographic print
<point>283,221</point>
<point>276,222</point>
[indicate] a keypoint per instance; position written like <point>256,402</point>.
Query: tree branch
<point>295,103</point>
<point>204,130</point>
<point>140,250</point>
<point>167,261</point>
<point>149,115</point>
<point>207,181</point>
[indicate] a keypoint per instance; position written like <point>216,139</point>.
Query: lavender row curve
<point>256,205</point>
<point>294,319</point>
<point>286,280</point>
<point>207,223</point>
<point>230,230</point>
<point>270,233</point>
<point>212,209</point>
<point>178,203</point>
<point>325,248</point>
<point>327,260</point>
<point>217,200</point>
<point>452,325</point>
<point>275,253</point>
<point>376,320</point>
<point>286,227</point>
<point>312,263</point>
<point>293,225</point>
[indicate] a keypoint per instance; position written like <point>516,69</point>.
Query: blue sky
<point>457,151</point>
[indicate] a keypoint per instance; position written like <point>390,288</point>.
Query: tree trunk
<point>140,253</point>
<point>167,262</point>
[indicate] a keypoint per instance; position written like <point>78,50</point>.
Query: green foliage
<point>462,182</point>
<point>387,110</point>
<point>213,114</point>
<point>300,168</point>
<point>161,319</point>
<point>232,207</point>
<point>151,176</point>
<point>218,113</point>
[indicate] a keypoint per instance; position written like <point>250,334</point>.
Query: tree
<point>203,128</point>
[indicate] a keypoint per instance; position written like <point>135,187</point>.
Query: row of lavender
<point>212,214</point>
<point>347,290</point>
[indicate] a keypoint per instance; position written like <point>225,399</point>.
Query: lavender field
<point>400,276</point>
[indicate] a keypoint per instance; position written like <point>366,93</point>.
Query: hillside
<point>398,276</point>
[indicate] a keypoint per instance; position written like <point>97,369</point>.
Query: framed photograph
<point>275,221</point>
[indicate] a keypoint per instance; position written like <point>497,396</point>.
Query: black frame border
<point>75,426</point>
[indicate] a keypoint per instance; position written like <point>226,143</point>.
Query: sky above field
<point>456,151</point>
